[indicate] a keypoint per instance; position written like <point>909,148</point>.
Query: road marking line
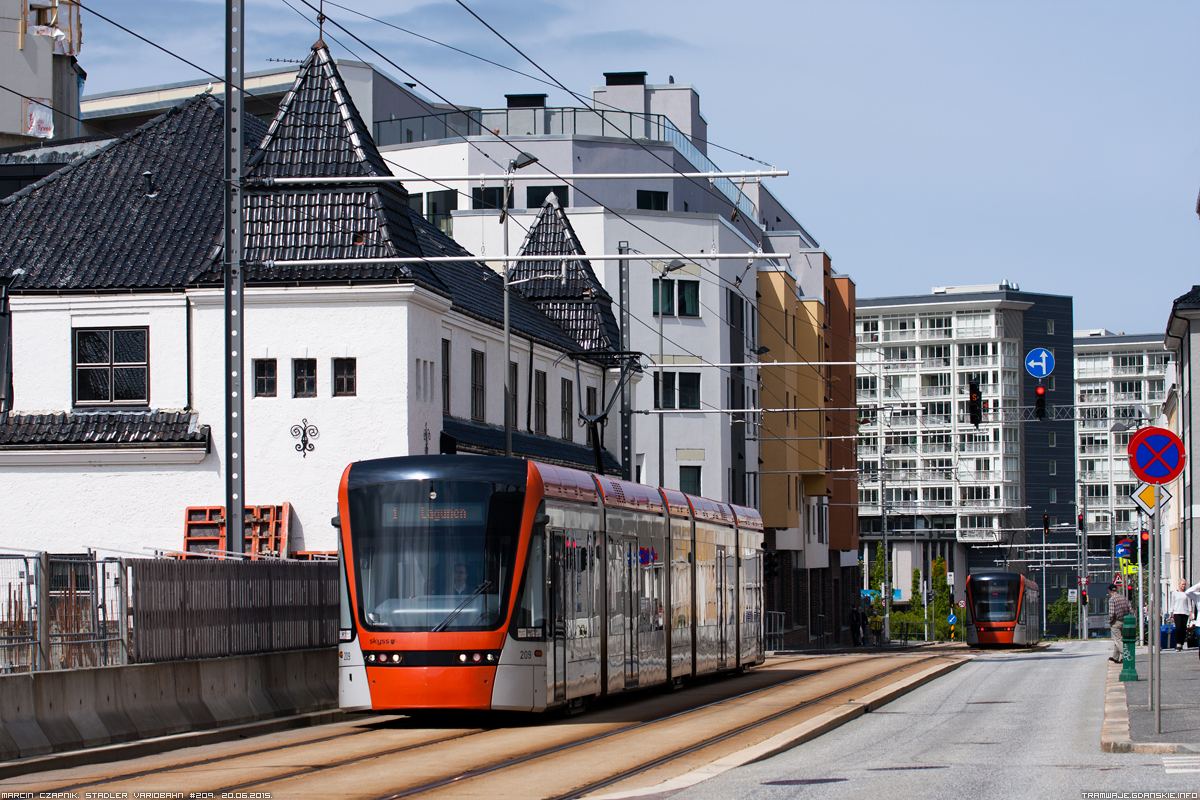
<point>1177,764</point>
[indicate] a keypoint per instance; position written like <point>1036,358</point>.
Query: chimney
<point>624,79</point>
<point>526,100</point>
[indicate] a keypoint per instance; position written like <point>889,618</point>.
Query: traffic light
<point>1082,524</point>
<point>1039,407</point>
<point>770,565</point>
<point>1083,596</point>
<point>1045,524</point>
<point>975,405</point>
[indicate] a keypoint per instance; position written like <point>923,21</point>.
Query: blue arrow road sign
<point>1039,362</point>
<point>1122,551</point>
<point>952,619</point>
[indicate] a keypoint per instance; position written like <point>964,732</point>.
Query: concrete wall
<point>59,710</point>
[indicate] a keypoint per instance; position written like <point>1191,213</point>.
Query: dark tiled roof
<point>1191,299</point>
<point>474,437</point>
<point>317,130</point>
<point>579,305</point>
<point>479,291</point>
<point>91,225</point>
<point>103,430</point>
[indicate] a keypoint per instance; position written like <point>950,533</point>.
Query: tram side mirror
<point>336,521</point>
<point>541,519</point>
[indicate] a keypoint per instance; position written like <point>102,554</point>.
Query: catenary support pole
<point>509,407</point>
<point>626,397</point>
<point>235,161</point>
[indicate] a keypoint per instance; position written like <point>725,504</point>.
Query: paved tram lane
<point>1007,725</point>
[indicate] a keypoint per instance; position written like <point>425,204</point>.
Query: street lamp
<point>522,160</point>
<point>887,561</point>
<point>662,405</point>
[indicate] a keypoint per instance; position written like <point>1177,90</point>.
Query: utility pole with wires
<point>235,279</point>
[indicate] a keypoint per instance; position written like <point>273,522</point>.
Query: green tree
<point>877,567</point>
<point>942,601</point>
<point>1063,611</point>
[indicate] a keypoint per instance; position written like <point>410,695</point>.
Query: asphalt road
<point>1007,725</point>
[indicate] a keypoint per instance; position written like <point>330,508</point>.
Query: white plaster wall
<point>42,355</point>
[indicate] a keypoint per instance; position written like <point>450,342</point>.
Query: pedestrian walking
<point>856,624</point>
<point>1183,607</point>
<point>1118,607</point>
<point>877,627</point>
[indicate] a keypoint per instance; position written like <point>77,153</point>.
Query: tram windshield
<point>434,555</point>
<point>995,599</point>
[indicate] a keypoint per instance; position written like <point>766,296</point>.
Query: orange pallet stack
<point>266,530</point>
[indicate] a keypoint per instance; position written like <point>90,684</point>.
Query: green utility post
<point>1128,634</point>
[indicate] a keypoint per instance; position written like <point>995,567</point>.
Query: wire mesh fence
<point>70,611</point>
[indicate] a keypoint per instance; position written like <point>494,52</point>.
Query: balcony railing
<point>867,337</point>
<point>937,448</point>
<point>937,333</point>
<point>974,332</point>
<point>935,391</point>
<point>935,363</point>
<point>900,336</point>
<point>562,121</point>
<point>978,361</point>
<point>1094,450</point>
<point>867,394</point>
<point>1093,398</point>
<point>978,535</point>
<point>938,419</point>
<point>1129,370</point>
<point>1128,397</point>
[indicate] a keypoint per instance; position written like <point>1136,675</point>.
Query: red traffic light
<point>1041,390</point>
<point>1145,536</point>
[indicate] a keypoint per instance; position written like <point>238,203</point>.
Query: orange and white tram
<point>1003,608</point>
<point>475,582</point>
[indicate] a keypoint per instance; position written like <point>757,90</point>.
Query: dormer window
<point>112,366</point>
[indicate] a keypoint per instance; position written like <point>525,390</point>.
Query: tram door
<point>722,601</point>
<point>559,575</point>
<point>632,610</point>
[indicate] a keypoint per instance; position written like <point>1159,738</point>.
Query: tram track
<point>491,768</point>
<point>245,760</point>
<point>515,761</point>
<point>730,734</point>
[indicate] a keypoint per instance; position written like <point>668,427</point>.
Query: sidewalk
<point>1180,699</point>
<point>1180,707</point>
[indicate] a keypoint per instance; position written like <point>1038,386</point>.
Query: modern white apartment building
<point>950,488</point>
<point>1121,381</point>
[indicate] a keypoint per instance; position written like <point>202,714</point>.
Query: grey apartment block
<point>973,495</point>
<point>1183,339</point>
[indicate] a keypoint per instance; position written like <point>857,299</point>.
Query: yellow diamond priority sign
<point>1143,497</point>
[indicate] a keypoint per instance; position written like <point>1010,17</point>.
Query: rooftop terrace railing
<point>559,121</point>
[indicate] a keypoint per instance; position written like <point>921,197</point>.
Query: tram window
<point>434,555</point>
<point>531,613</point>
<point>995,599</point>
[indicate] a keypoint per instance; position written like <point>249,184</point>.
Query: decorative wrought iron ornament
<point>304,432</point>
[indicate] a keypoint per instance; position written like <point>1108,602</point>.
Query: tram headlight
<point>371,658</point>
<point>476,657</point>
<point>462,656</point>
<point>491,657</point>
<point>396,658</point>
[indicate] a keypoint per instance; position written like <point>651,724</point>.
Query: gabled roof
<point>93,224</point>
<point>579,304</point>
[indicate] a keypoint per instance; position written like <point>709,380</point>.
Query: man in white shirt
<point>1182,604</point>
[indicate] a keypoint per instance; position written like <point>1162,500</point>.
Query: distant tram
<point>473,582</point>
<point>1003,608</point>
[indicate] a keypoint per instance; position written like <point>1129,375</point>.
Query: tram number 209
<point>526,655</point>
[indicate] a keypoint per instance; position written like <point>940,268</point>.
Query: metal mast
<point>235,161</point>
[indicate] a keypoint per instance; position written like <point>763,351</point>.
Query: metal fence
<point>774,629</point>
<point>60,612</point>
<point>209,609</point>
<point>71,611</point>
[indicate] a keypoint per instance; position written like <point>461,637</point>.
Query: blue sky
<point>1054,144</point>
